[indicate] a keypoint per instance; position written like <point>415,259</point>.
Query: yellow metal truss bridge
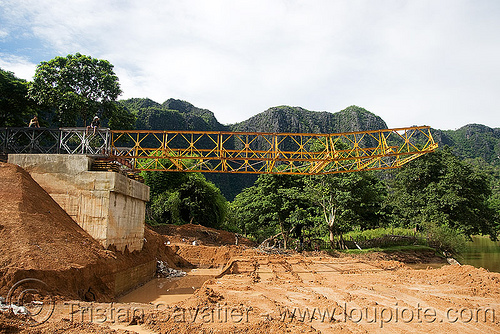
<point>276,153</point>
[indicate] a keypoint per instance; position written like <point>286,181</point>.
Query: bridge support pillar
<point>108,205</point>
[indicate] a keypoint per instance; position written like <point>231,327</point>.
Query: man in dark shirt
<point>94,124</point>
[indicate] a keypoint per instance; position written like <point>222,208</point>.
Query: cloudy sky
<point>418,62</point>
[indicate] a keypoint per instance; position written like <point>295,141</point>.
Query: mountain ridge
<point>300,120</point>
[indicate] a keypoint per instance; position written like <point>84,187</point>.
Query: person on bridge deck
<point>34,122</point>
<point>94,124</point>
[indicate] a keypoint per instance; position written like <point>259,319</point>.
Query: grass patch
<point>405,248</point>
<point>380,232</point>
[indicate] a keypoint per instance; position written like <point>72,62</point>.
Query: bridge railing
<point>55,141</point>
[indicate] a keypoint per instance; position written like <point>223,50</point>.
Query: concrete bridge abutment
<point>109,206</point>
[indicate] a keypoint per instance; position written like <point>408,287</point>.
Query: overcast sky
<point>413,62</point>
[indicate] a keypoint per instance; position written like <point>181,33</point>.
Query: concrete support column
<point>108,205</point>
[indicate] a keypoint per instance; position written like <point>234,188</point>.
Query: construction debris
<point>162,270</point>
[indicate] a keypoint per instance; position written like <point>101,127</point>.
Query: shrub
<point>444,238</point>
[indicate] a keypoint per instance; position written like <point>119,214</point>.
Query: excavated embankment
<point>39,240</point>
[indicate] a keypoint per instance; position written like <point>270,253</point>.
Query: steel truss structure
<point>54,141</point>
<point>278,153</point>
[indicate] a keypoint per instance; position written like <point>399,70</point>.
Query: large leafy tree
<point>202,202</point>
<point>493,174</point>
<point>15,108</point>
<point>76,87</point>
<point>347,200</point>
<point>180,198</point>
<point>244,213</point>
<point>441,189</point>
<point>275,204</point>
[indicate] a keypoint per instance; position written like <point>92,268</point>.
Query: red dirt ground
<point>255,292</point>
<point>189,233</point>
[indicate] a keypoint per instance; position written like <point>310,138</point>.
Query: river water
<point>482,252</point>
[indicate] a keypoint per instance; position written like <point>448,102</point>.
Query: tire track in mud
<point>300,290</point>
<point>284,283</point>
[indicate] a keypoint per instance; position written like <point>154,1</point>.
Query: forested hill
<point>472,141</point>
<point>171,115</point>
<point>181,115</point>
<point>299,120</point>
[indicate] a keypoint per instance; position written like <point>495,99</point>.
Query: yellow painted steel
<point>278,153</point>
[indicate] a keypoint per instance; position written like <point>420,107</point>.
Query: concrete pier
<point>108,205</point>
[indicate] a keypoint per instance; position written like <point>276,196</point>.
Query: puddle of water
<point>169,290</point>
<point>431,265</point>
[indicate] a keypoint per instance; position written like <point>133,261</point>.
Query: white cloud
<point>20,66</point>
<point>411,62</point>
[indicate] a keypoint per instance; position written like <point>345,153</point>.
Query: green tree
<point>347,200</point>
<point>244,213</point>
<point>275,204</point>
<point>75,86</point>
<point>159,182</point>
<point>441,189</point>
<point>202,202</point>
<point>180,198</point>
<point>493,173</point>
<point>166,207</point>
<point>15,108</point>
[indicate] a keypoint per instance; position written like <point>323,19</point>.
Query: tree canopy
<point>441,188</point>
<point>288,204</point>
<point>347,200</point>
<point>15,108</point>
<point>178,198</point>
<point>76,87</point>
<point>275,204</point>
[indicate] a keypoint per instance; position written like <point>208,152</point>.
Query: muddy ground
<point>260,293</point>
<point>235,289</point>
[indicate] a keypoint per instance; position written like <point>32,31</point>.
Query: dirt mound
<point>189,233</point>
<point>38,239</point>
<point>212,257</point>
<point>155,247</point>
<point>35,232</point>
<point>464,279</point>
<point>15,324</point>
